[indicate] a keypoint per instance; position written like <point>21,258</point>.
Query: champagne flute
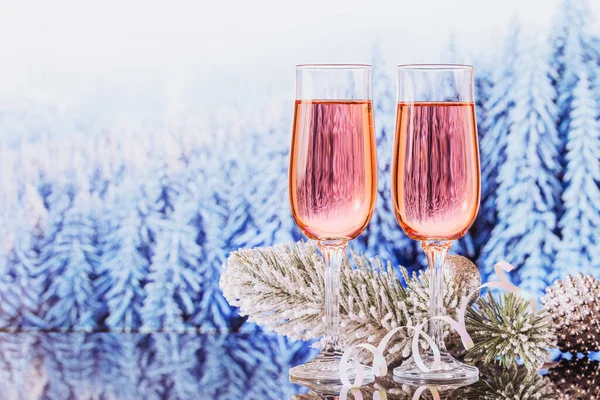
<point>435,186</point>
<point>332,182</point>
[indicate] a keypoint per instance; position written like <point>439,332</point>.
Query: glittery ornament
<point>461,269</point>
<point>576,379</point>
<point>575,309</point>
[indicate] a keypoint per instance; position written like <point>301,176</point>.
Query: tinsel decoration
<point>499,383</point>
<point>577,378</point>
<point>507,329</point>
<point>574,304</point>
<point>461,269</point>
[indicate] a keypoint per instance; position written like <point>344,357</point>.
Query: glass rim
<point>435,67</point>
<point>334,66</point>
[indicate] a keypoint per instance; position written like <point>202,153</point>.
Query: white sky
<point>61,51</point>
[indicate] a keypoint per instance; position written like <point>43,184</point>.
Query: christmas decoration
<point>460,279</point>
<point>499,383</point>
<point>506,329</point>
<point>281,288</point>
<point>575,309</point>
<point>461,269</point>
<point>577,378</point>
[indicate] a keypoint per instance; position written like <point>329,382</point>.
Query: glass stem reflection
<point>333,254</point>
<point>436,251</point>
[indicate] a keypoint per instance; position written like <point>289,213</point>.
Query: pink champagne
<point>333,177</point>
<point>435,173</point>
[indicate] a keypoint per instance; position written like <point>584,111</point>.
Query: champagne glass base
<point>450,372</point>
<point>325,369</point>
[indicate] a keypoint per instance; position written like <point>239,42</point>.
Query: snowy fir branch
<point>506,329</point>
<point>281,288</point>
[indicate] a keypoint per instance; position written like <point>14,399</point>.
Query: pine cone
<point>576,379</point>
<point>575,310</point>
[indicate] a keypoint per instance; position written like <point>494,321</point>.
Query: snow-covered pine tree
<point>595,72</point>
<point>528,189</point>
<point>580,223</point>
<point>160,190</point>
<point>453,54</point>
<point>210,381</point>
<point>54,351</point>
<point>264,150</point>
<point>576,61</point>
<point>74,355</point>
<point>80,368</point>
<point>8,194</point>
<point>129,364</point>
<point>24,223</point>
<point>30,235</point>
<point>69,268</point>
<point>253,366</point>
<point>483,88</point>
<point>6,389</point>
<point>225,216</point>
<point>213,313</point>
<point>17,356</point>
<point>493,131</point>
<point>106,376</point>
<point>572,44</point>
<point>10,303</point>
<point>125,248</point>
<point>173,280</point>
<point>265,356</point>
<point>384,237</point>
<point>171,375</point>
<point>287,354</point>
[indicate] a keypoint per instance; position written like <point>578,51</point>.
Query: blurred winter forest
<point>126,229</point>
<point>156,366</point>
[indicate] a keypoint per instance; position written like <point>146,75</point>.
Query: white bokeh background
<point>141,58</point>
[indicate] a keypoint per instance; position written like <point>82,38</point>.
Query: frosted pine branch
<point>506,329</point>
<point>372,303</point>
<point>281,288</point>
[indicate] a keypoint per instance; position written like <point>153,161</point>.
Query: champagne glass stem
<point>333,253</point>
<point>436,251</point>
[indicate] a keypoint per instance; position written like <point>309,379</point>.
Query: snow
<point>127,228</point>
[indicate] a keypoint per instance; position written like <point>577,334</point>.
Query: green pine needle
<point>506,330</point>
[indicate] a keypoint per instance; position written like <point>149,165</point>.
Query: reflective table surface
<point>111,366</point>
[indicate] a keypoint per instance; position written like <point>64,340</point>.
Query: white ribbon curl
<point>378,395</point>
<point>380,367</point>
<point>381,394</point>
<point>421,389</point>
